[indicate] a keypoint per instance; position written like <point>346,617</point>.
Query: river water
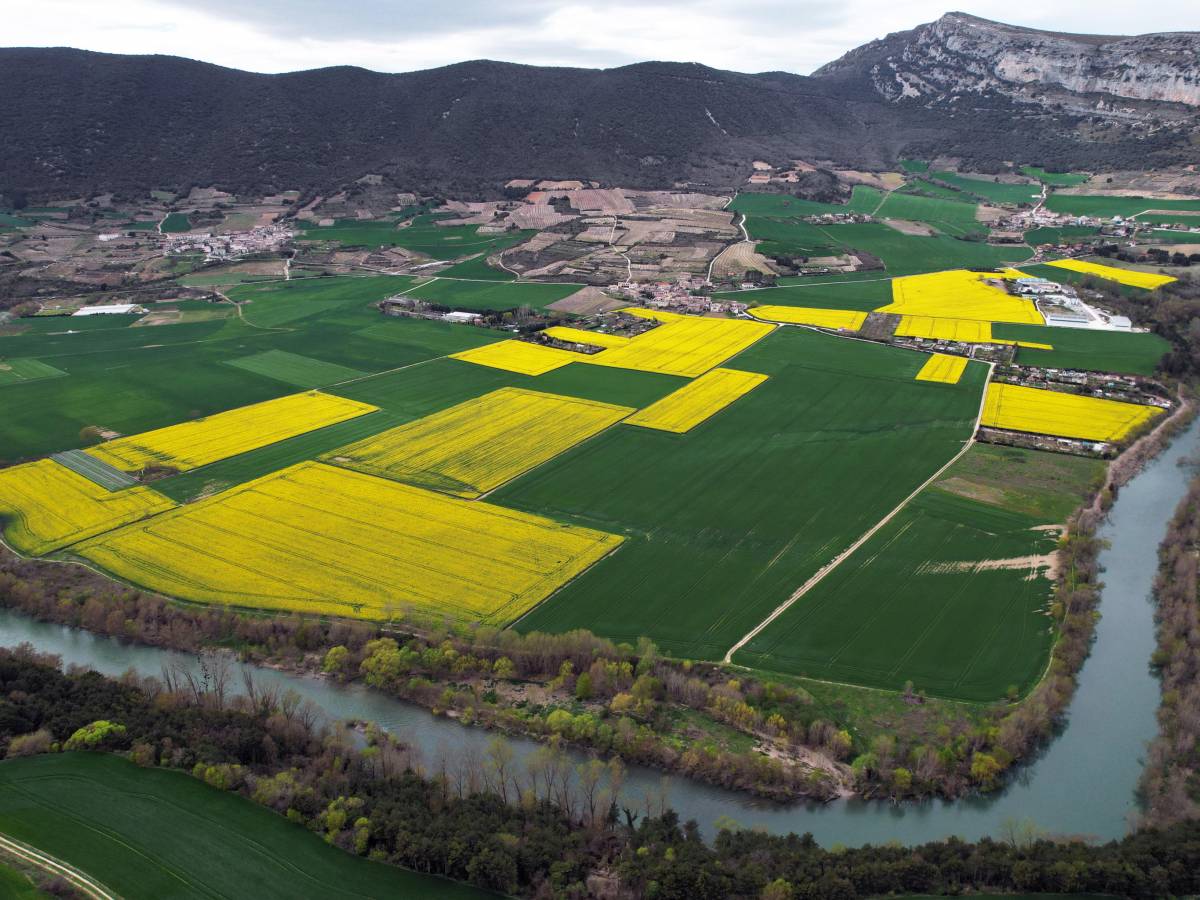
<point>1084,783</point>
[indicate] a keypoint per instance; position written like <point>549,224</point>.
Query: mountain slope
<point>75,121</point>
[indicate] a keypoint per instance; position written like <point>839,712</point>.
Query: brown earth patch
<point>904,226</point>
<point>586,301</point>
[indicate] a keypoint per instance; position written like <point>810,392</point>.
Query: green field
<point>914,165</point>
<point>904,254</point>
<point>929,189</point>
<point>134,379</point>
<point>1107,207</point>
<point>291,368</point>
<point>1082,348</point>
<point>862,295</point>
<point>791,237</point>
<point>952,217</point>
<point>1054,179</point>
<point>724,522</point>
<point>1067,233</point>
<point>992,191</point>
<point>785,206</point>
<point>488,295</point>
<point>157,834</point>
<point>283,302</point>
<point>422,235</point>
<point>1166,236</point>
<point>914,603</point>
<point>19,371</point>
<point>176,222</point>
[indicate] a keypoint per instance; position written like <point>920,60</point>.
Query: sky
<point>403,35</point>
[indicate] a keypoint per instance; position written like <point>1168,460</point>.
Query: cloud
<point>385,35</point>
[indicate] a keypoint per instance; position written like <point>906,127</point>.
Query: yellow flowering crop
<point>319,539</point>
<point>961,294</point>
<point>967,330</point>
<point>476,446</point>
<point>46,506</point>
<point>202,441</point>
<point>697,400</point>
<point>1147,280</point>
<point>520,356</point>
<point>579,336</point>
<point>846,319</point>
<point>682,345</point>
<point>1020,408</point>
<point>943,367</point>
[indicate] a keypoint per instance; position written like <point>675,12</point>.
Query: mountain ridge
<point>77,121</point>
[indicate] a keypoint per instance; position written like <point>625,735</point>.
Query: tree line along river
<point>1083,783</point>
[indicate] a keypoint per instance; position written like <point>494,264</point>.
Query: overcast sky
<point>402,35</point>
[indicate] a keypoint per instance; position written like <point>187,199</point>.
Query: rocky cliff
<point>962,55</point>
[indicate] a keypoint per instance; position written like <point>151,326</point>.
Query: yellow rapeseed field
<point>202,441</point>
<point>967,330</point>
<point>320,539</point>
<point>1147,280</point>
<point>846,319</point>
<point>520,356</point>
<point>944,368</point>
<point>478,445</point>
<point>697,400</point>
<point>682,345</point>
<point>961,294</point>
<point>46,506</point>
<point>1020,408</point>
<point>579,336</point>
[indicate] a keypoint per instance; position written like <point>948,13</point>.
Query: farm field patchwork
<point>845,319</point>
<point>1131,277</point>
<point>45,506</point>
<point>150,833</point>
<point>195,443</point>
<point>19,371</point>
<point>1019,408</point>
<point>469,449</point>
<point>961,294</point>
<point>320,539</point>
<point>291,368</point>
<point>943,368</point>
<point>697,401</point>
<point>725,521</point>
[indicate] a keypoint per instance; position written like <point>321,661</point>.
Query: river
<point>1084,783</point>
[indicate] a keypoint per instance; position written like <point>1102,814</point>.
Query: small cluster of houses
<point>678,296</point>
<point>232,244</point>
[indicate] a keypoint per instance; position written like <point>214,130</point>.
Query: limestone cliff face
<point>961,54</point>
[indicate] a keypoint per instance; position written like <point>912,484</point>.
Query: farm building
<point>115,309</point>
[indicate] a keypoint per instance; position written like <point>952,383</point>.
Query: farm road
<point>78,879</point>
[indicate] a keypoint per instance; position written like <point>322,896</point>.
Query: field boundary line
<point>79,879</point>
<point>830,566</point>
